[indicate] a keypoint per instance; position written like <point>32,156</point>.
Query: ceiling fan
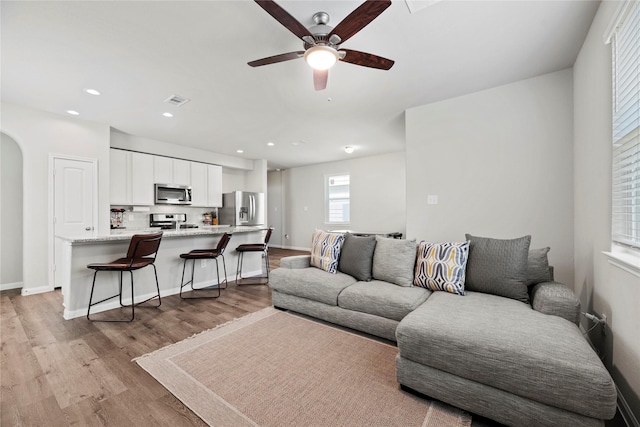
<point>322,42</point>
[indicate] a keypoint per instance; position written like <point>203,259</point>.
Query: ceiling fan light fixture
<point>321,57</point>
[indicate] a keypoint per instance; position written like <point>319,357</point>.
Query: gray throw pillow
<point>356,257</point>
<point>538,266</point>
<point>394,260</point>
<point>498,266</point>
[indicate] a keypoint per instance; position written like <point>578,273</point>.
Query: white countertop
<point>125,234</point>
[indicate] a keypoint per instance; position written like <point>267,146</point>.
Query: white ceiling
<point>138,53</point>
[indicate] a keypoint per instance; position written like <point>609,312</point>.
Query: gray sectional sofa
<point>518,359</point>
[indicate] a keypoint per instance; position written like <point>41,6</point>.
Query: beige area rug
<point>272,368</point>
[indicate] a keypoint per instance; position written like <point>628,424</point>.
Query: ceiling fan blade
<point>320,78</point>
<point>366,59</point>
<point>360,18</point>
<point>276,58</point>
<point>283,17</point>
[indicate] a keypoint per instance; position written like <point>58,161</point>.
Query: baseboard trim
<point>7,286</point>
<point>38,290</point>
<point>625,411</point>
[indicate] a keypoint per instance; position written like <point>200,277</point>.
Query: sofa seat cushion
<point>311,283</point>
<point>505,344</point>
<point>383,299</point>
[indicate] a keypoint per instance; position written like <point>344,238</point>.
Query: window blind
<point>626,129</point>
<point>338,199</point>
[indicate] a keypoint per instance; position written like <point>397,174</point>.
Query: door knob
<point>89,228</point>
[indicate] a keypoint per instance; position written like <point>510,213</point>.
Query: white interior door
<point>74,202</point>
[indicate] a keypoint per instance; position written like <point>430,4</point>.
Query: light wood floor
<point>57,372</point>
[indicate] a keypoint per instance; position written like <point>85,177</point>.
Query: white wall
<point>602,287</point>
<point>275,211</point>
<point>377,197</point>
<point>10,214</point>
<point>39,135</point>
<point>500,162</point>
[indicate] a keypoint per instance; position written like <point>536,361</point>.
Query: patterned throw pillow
<point>325,250</point>
<point>441,266</point>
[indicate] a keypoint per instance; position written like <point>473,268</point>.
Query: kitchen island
<point>77,252</point>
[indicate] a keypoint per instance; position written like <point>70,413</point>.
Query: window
<point>337,203</point>
<point>625,39</point>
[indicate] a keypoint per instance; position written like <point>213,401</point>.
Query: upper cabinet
<point>198,184</point>
<point>142,179</point>
<point>206,185</point>
<point>171,171</point>
<point>133,175</point>
<point>214,185</point>
<point>130,178</point>
<point>182,172</point>
<point>119,177</point>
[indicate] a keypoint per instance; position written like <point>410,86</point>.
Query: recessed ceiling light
<point>92,92</point>
<point>239,151</point>
<point>167,114</point>
<point>348,149</point>
<point>270,144</point>
<point>73,112</point>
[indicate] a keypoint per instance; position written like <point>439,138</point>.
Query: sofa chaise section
<point>481,351</point>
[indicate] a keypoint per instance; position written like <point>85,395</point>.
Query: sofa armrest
<point>297,261</point>
<point>556,299</point>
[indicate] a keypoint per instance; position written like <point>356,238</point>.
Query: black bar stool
<point>263,248</point>
<point>142,252</point>
<point>206,254</point>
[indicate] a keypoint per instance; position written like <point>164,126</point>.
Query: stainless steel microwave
<point>169,194</point>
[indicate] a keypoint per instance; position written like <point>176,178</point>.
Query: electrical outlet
<point>203,263</point>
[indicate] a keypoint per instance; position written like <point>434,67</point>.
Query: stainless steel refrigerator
<point>242,208</point>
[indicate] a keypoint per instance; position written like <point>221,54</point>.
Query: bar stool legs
<point>142,253</point>
<point>217,286</point>
<point>196,254</point>
<point>255,280</point>
<point>263,249</point>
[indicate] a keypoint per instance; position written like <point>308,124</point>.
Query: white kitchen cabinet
<point>214,186</point>
<point>199,184</point>
<point>142,179</point>
<point>119,189</point>
<point>163,170</point>
<point>130,178</point>
<point>181,172</point>
<point>171,171</point>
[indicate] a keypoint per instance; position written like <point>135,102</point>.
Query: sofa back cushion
<point>394,260</point>
<point>538,266</point>
<point>325,250</point>
<point>441,266</point>
<point>356,256</point>
<point>498,267</point>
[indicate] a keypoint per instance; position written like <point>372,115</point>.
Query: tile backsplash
<point>133,220</point>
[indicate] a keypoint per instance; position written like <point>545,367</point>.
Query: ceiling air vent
<point>177,100</point>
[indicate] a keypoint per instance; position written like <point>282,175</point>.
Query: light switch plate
<point>432,199</point>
